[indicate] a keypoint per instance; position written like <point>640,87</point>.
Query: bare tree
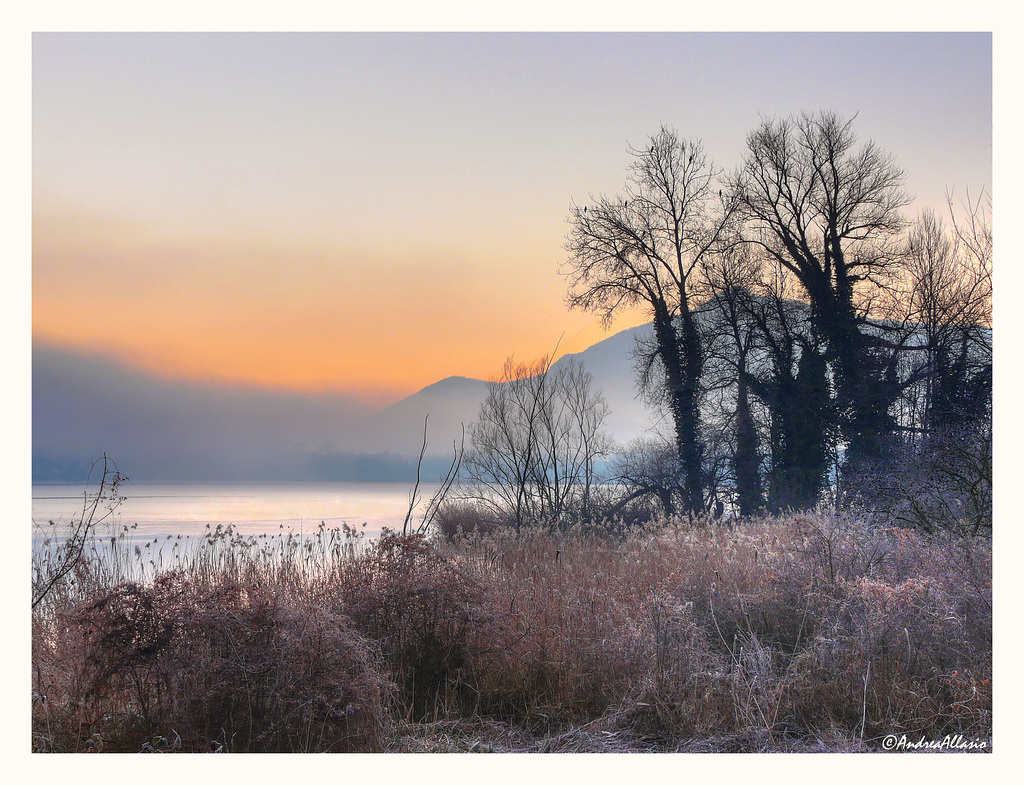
<point>537,441</point>
<point>828,212</point>
<point>972,226</point>
<point>941,476</point>
<point>436,501</point>
<point>648,468</point>
<point>60,556</point>
<point>643,248</point>
<point>733,343</point>
<point>945,302</point>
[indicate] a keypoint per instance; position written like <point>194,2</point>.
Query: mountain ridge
<point>85,405</point>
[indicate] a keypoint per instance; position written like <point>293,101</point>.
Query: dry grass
<point>457,517</point>
<point>810,632</point>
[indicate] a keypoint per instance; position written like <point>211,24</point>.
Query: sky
<point>367,213</point>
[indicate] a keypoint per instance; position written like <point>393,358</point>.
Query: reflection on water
<point>156,511</point>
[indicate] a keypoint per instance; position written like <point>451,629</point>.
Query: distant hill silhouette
<point>156,429</point>
<point>456,400</point>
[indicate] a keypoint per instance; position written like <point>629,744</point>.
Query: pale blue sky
<point>323,128</point>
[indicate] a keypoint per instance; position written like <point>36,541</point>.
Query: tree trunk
<point>863,392</point>
<point>681,360</point>
<point>749,495</point>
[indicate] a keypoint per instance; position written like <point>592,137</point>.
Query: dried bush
<point>225,664</point>
<point>944,484</point>
<point>422,610</point>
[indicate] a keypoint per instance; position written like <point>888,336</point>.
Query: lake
<point>268,508</point>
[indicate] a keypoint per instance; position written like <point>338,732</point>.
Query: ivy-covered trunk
<point>680,356</point>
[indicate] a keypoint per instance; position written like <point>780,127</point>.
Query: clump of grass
<point>457,517</point>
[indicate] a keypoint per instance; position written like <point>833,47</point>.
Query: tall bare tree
<point>829,212</point>
<point>941,477</point>
<point>972,226</point>
<point>733,343</point>
<point>643,248</point>
<point>946,303</point>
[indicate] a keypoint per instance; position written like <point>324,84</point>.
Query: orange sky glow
<point>311,316</point>
<point>370,213</point>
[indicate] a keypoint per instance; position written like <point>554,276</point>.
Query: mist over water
<point>157,430</point>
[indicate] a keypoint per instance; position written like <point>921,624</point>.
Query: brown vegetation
<point>809,632</point>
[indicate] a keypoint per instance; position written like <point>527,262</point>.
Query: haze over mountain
<point>456,400</point>
<point>158,429</point>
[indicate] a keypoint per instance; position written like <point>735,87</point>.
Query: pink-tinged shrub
<point>222,664</point>
<point>425,614</point>
<point>896,657</point>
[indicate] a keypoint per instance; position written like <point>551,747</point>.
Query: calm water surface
<point>251,508</point>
